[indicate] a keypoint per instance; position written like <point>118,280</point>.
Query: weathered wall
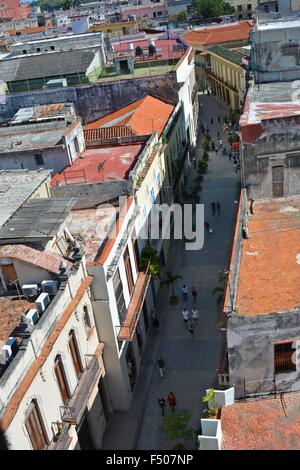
<point>97,100</point>
<point>273,143</point>
<point>251,351</point>
<point>271,56</point>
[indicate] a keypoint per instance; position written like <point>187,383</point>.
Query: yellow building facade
<point>226,76</point>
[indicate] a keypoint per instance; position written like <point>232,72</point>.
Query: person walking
<point>213,147</point>
<point>229,156</point>
<point>184,291</point>
<point>212,120</point>
<point>219,120</point>
<point>191,329</point>
<point>162,405</point>
<point>195,316</point>
<point>213,208</point>
<point>186,315</point>
<point>218,205</point>
<point>206,225</point>
<point>218,135</point>
<point>221,144</point>
<point>172,401</point>
<point>194,294</point>
<point>161,365</point>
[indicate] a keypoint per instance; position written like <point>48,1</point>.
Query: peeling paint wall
<point>275,53</point>
<point>272,143</point>
<point>251,351</point>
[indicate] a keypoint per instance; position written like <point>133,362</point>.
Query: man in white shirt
<point>185,314</point>
<point>184,291</point>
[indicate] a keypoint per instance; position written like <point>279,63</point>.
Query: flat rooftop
<point>165,48</point>
<point>270,262</point>
<point>11,310</point>
<point>92,226</point>
<point>16,187</point>
<point>277,24</point>
<point>100,165</point>
<point>55,111</point>
<point>270,101</point>
<point>266,424</point>
<point>36,220</point>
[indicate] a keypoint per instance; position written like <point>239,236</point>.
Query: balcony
<point>62,440</point>
<point>127,330</point>
<point>219,80</point>
<point>74,410</point>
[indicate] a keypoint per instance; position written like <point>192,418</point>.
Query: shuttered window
<point>74,353</point>
<point>35,427</point>
<point>61,379</point>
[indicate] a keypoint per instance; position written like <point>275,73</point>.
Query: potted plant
<point>175,427</point>
<point>149,258</point>
<point>212,410</point>
<point>170,281</point>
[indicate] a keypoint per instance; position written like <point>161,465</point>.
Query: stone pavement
<point>191,362</point>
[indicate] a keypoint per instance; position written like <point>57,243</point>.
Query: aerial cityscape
<point>149,225</point>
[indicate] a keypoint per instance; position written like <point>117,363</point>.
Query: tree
<point>212,8</point>
<point>170,281</point>
<point>182,16</point>
<point>209,398</point>
<point>175,427</point>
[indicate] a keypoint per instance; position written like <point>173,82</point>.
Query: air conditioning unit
<point>8,351</point>
<point>30,290</point>
<point>32,316</point>
<point>50,287</point>
<point>42,302</point>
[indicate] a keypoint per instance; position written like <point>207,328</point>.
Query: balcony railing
<point>74,410</point>
<point>127,330</point>
<point>62,441</point>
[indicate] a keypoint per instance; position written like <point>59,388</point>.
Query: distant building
<point>80,23</point>
<point>115,29</point>
<point>48,136</point>
<point>244,8</point>
<point>149,10</point>
<point>21,23</point>
<point>178,6</point>
<point>14,9</point>
<point>227,76</point>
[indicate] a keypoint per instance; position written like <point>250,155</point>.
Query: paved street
<point>191,362</point>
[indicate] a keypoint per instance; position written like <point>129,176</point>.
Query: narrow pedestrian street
<point>191,362</point>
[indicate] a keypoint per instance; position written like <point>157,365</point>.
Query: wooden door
<point>74,353</point>
<point>35,428</point>
<point>128,271</point>
<point>9,273</point>
<point>61,379</point>
<point>278,181</point>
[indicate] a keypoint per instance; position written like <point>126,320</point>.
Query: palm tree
<point>170,281</point>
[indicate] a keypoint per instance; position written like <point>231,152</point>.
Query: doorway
<point>278,181</point>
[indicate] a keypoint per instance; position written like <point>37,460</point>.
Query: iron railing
<point>62,440</point>
<point>74,410</point>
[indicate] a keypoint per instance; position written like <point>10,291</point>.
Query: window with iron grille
<point>283,357</point>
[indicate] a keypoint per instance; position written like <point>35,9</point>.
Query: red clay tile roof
<point>43,259</point>
<point>105,133</point>
<point>270,262</point>
<point>266,424</point>
<point>11,310</point>
<point>30,30</point>
<point>141,117</point>
<point>230,32</point>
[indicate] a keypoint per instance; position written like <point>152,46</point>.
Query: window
<point>118,288</point>
<point>74,353</point>
<point>249,6</point>
<point>283,361</point>
<point>76,145</point>
<point>86,318</point>
<point>38,49</point>
<point>24,51</point>
<point>159,13</point>
<point>52,48</point>
<point>266,8</point>
<point>35,427</point>
<point>154,14</point>
<point>128,271</point>
<point>38,159</point>
<point>61,379</point>
<point>240,8</point>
